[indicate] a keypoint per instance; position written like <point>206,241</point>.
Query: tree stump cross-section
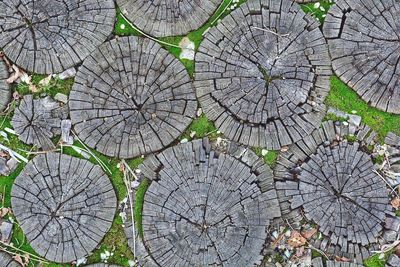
<point>168,17</point>
<point>36,121</point>
<point>130,98</point>
<point>64,206</point>
<point>332,182</point>
<point>262,74</point>
<point>5,90</point>
<point>207,208</point>
<point>364,43</point>
<point>51,36</point>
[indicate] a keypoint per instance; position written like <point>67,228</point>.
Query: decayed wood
<point>5,90</point>
<point>36,121</point>
<point>364,42</point>
<point>207,207</point>
<point>7,261</point>
<point>263,73</point>
<point>64,206</point>
<point>332,182</point>
<point>51,36</point>
<point>168,18</point>
<point>318,262</point>
<point>131,97</point>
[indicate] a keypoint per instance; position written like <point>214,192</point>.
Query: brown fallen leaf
<point>45,81</point>
<point>15,75</point>
<point>395,203</point>
<point>296,240</point>
<point>4,212</point>
<point>23,260</point>
<point>342,259</point>
<point>33,88</point>
<point>309,233</point>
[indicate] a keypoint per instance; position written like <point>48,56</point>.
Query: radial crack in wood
<point>207,207</point>
<point>51,36</point>
<point>364,42</point>
<point>5,90</point>
<point>333,183</point>
<point>130,98</point>
<point>168,18</point>
<point>262,74</point>
<point>64,206</point>
<point>36,121</point>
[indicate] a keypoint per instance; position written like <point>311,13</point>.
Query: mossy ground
<point>341,97</point>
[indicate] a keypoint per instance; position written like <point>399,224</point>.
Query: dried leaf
<point>26,78</point>
<point>296,240</point>
<point>33,88</point>
<point>395,203</point>
<point>45,81</point>
<point>309,233</point>
<point>342,259</point>
<point>4,212</point>
<point>20,260</point>
<point>15,75</point>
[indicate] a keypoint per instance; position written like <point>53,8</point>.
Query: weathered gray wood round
<point>64,206</point>
<point>206,207</point>
<point>7,261</point>
<point>36,121</point>
<point>331,182</point>
<point>51,36</point>
<point>319,262</point>
<point>393,261</point>
<point>5,90</point>
<point>364,42</point>
<point>168,18</point>
<point>131,97</point>
<point>263,73</point>
<point>342,195</point>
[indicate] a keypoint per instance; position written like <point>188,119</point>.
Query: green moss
<point>123,27</point>
<point>270,158</point>
<point>318,12</point>
<point>116,243</point>
<point>203,127</point>
<point>375,260</point>
<point>344,98</point>
<point>140,193</point>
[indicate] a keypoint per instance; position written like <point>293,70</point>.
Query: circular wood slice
<point>342,195</point>
<point>364,43</point>
<point>207,208</point>
<point>64,205</point>
<point>168,18</point>
<point>51,36</point>
<point>332,182</point>
<point>7,261</point>
<point>263,73</point>
<point>131,97</point>
<point>5,90</point>
<point>36,121</point>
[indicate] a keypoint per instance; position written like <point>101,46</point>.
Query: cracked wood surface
<point>7,261</point>
<point>168,18</point>
<point>262,74</point>
<point>36,121</point>
<point>364,43</point>
<point>130,98</point>
<point>332,183</point>
<point>64,206</point>
<point>51,36</point>
<point>206,206</point>
<point>5,90</point>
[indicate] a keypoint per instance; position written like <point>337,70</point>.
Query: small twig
<point>32,256</point>
<point>308,243</point>
<point>14,154</point>
<point>388,247</point>
<point>128,188</point>
<point>147,35</point>
<point>267,30</point>
<point>391,187</point>
<point>223,11</point>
